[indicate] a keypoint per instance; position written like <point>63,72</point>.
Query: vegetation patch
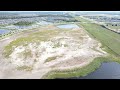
<point>56,45</point>
<point>27,53</point>
<point>113,25</point>
<point>110,44</point>
<point>80,72</point>
<point>24,23</point>
<point>26,68</point>
<point>51,58</point>
<point>106,37</point>
<point>43,35</point>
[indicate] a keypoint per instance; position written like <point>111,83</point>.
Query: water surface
<point>4,31</point>
<point>110,70</point>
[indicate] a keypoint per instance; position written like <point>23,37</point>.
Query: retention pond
<point>110,70</point>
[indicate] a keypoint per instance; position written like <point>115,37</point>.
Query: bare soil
<point>73,50</point>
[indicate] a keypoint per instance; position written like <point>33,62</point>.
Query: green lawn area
<point>106,37</point>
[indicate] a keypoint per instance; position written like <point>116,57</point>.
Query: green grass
<point>27,53</point>
<point>4,25</point>
<point>113,27</point>
<point>20,41</point>
<point>77,72</point>
<point>24,23</point>
<point>106,37</point>
<point>26,68</point>
<point>51,59</point>
<point>110,43</point>
<point>56,45</point>
<point>43,35</point>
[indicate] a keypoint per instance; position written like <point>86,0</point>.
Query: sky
<point>58,12</point>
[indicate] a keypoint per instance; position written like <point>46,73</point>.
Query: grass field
<point>24,23</point>
<point>110,43</point>
<point>106,37</point>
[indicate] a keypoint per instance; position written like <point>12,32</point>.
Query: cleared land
<point>110,43</point>
<point>46,49</point>
<point>52,52</point>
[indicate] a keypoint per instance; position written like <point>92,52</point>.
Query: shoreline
<point>81,71</point>
<point>95,64</point>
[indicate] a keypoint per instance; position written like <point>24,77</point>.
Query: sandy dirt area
<point>65,51</point>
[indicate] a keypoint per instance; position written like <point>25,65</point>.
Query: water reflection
<point>109,70</point>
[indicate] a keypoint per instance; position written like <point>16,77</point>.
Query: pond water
<point>4,31</point>
<point>68,26</point>
<point>110,70</point>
